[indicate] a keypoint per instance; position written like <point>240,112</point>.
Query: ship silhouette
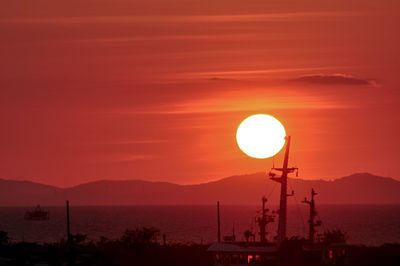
<point>37,214</point>
<point>329,248</point>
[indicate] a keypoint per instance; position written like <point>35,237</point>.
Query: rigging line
<point>266,183</point>
<point>298,208</point>
<point>322,224</point>
<point>273,161</point>
<point>252,223</point>
<point>273,188</point>
<point>268,193</point>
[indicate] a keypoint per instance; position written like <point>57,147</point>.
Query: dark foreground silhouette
<point>140,247</point>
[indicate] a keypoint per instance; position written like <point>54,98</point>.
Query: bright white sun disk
<point>261,136</point>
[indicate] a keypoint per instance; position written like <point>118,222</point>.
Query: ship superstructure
<point>264,252</point>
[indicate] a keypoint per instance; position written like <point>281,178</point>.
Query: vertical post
<point>283,199</point>
<point>219,224</point>
<point>233,232</point>
<point>68,225</point>
<point>262,222</point>
<point>312,217</point>
<point>311,222</point>
<point>164,237</point>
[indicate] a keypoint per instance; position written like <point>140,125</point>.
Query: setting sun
<point>260,136</point>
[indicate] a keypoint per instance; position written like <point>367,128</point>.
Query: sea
<point>362,224</point>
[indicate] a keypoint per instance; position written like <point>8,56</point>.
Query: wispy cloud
<point>238,102</point>
<point>282,16</point>
<point>334,79</point>
<point>165,37</point>
<point>254,72</point>
<point>220,79</point>
<point>252,104</point>
<point>137,141</point>
<point>133,157</point>
<point>123,157</point>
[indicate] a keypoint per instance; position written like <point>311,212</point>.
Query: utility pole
<point>313,213</point>
<point>68,225</point>
<point>283,198</point>
<point>219,224</point>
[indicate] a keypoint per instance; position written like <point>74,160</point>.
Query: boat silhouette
<point>37,214</point>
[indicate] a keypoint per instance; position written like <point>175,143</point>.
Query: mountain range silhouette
<point>360,188</point>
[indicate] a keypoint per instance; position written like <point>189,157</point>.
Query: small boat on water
<point>37,214</point>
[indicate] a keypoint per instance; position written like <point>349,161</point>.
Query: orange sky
<point>155,90</point>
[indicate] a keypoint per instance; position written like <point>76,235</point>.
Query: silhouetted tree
<point>78,238</point>
<point>334,236</point>
<point>103,241</point>
<point>140,236</point>
<point>3,238</point>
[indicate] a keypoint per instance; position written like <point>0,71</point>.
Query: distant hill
<point>362,188</point>
<point>26,193</point>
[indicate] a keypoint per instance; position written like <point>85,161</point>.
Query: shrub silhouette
<point>3,238</point>
<point>140,236</point>
<point>334,236</point>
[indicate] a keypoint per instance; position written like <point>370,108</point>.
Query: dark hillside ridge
<point>361,188</point>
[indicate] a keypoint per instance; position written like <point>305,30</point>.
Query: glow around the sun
<point>260,136</point>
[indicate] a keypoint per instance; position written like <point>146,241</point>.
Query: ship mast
<point>313,213</point>
<point>264,220</point>
<point>283,198</point>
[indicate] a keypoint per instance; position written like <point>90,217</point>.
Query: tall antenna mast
<point>264,220</point>
<point>313,213</point>
<point>283,198</point>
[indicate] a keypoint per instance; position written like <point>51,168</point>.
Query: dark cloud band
<point>333,79</point>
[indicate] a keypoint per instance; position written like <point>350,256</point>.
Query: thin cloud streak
<point>115,158</point>
<point>169,37</point>
<point>144,141</point>
<point>334,79</point>
<point>256,71</point>
<point>127,142</point>
<point>187,19</point>
<point>236,105</point>
<point>134,157</point>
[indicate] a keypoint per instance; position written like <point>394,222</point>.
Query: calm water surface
<point>364,224</point>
